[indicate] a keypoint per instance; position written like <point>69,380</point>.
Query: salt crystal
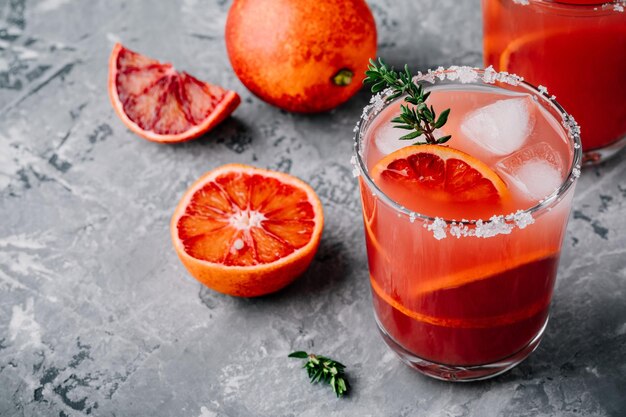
<point>522,218</point>
<point>441,73</point>
<point>366,111</point>
<point>378,102</point>
<point>429,76</point>
<point>489,75</point>
<point>572,128</point>
<point>495,226</point>
<point>453,74</point>
<point>542,89</point>
<point>464,74</point>
<point>511,79</point>
<point>355,168</point>
<point>467,75</point>
<point>438,227</point>
<point>459,230</point>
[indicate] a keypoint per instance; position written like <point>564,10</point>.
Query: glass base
<point>596,156</point>
<point>462,373</point>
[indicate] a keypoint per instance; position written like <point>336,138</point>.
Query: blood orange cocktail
<point>577,48</point>
<point>468,298</point>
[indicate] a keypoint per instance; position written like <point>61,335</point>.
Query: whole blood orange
<point>161,104</point>
<point>301,55</point>
<point>246,231</point>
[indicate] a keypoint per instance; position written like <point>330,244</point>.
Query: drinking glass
<point>467,299</point>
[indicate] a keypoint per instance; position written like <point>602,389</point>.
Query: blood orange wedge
<point>246,231</point>
<point>440,174</point>
<point>161,104</point>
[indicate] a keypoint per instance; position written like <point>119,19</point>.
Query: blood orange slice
<point>442,173</point>
<point>246,231</point>
<point>161,104</point>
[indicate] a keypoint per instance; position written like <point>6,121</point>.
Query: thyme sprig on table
<point>415,115</point>
<point>325,370</point>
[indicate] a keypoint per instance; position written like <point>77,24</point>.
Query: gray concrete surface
<point>98,316</point>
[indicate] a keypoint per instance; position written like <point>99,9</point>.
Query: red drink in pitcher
<point>577,48</point>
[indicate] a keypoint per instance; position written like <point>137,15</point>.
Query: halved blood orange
<point>246,231</point>
<point>161,104</point>
<point>443,173</point>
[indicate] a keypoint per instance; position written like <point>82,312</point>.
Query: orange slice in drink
<point>438,173</point>
<point>370,214</point>
<point>246,231</point>
<point>465,322</point>
<point>532,47</point>
<point>483,271</point>
<point>442,174</point>
<point>161,104</point>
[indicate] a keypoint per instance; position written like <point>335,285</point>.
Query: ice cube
<point>536,170</point>
<point>501,127</point>
<point>387,138</point>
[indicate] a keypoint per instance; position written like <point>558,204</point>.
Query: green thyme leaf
<point>410,136</point>
<point>325,370</point>
<point>419,116</point>
<point>443,118</point>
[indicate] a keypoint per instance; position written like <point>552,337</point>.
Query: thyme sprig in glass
<point>325,370</point>
<point>416,115</point>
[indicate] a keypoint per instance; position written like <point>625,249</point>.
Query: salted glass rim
<point>567,3</point>
<point>598,7</point>
<point>456,75</point>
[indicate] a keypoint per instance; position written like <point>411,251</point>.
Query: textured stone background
<point>98,317</point>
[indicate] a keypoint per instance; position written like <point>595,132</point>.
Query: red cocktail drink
<point>462,280</point>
